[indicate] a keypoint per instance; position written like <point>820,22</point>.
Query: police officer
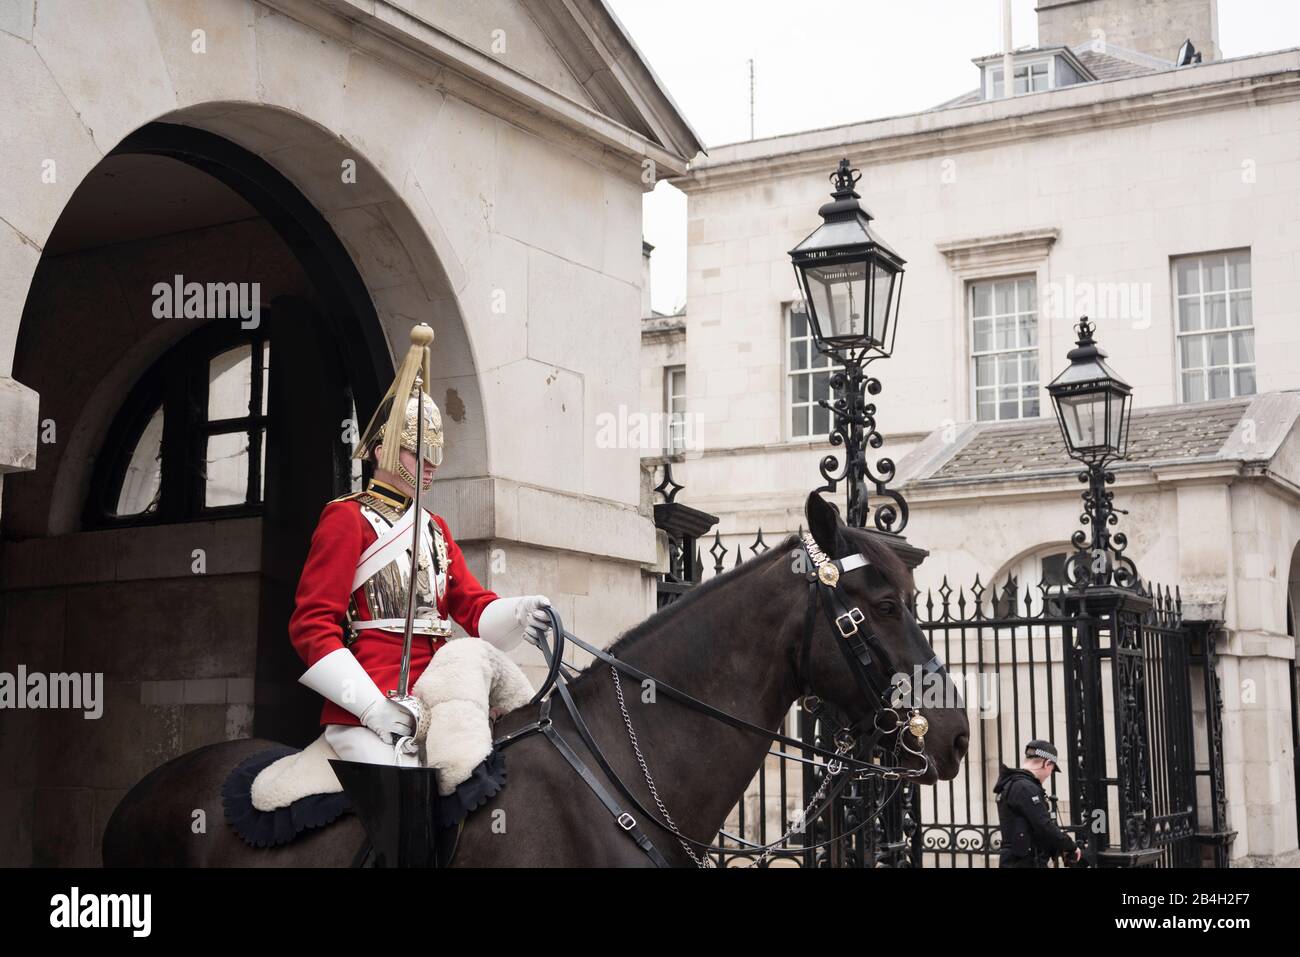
<point>1030,838</point>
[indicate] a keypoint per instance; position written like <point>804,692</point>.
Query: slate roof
<point>972,96</point>
<point>1178,432</point>
<point>1106,67</point>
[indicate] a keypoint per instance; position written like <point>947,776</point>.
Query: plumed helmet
<point>392,417</point>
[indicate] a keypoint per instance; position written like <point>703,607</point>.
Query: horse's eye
<point>887,608</point>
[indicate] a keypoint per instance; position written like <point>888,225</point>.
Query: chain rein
<point>700,861</point>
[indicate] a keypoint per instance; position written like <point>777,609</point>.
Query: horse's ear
<point>824,523</point>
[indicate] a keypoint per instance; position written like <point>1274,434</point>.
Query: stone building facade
<point>1160,200</point>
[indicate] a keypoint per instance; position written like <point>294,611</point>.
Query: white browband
<point>850,562</point>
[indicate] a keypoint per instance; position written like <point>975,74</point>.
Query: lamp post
<point>851,283</point>
<point>1093,405</point>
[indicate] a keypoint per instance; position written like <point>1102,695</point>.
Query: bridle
<point>868,662</point>
<point>884,686</point>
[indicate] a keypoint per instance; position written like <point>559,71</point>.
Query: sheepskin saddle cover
<point>465,680</point>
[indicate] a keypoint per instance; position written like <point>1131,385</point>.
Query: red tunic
<point>321,604</point>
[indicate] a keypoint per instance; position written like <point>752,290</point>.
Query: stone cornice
<point>663,327</point>
<point>1087,107</point>
<point>385,29</point>
<point>1052,482</point>
<point>1212,471</point>
<point>1000,250</point>
<point>820,445</point>
<point>1279,482</point>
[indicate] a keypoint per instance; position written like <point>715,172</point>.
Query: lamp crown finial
<point>845,178</point>
<point>1085,329</point>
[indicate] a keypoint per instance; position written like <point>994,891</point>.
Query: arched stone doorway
<point>183,613</point>
<point>466,190</point>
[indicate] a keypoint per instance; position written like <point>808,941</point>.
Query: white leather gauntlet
<point>505,621</point>
<point>340,678</point>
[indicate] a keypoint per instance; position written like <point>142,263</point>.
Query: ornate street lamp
<point>851,282</point>
<point>1093,405</point>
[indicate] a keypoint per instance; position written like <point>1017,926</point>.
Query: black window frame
<point>178,382</point>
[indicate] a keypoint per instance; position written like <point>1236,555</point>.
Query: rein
<point>870,673</point>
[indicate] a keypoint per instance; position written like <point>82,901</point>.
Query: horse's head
<point>897,648</point>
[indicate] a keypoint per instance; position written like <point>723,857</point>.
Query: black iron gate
<point>1006,651</point>
<point>1139,675</point>
<point>1116,678</point>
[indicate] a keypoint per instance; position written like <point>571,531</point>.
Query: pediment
<point>576,48</point>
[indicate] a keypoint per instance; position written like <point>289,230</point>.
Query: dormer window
<point>1030,78</point>
<point>1034,71</point>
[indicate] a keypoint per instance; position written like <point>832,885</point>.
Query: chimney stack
<point>1154,27</point>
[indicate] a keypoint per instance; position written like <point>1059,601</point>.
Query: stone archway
<point>384,268</point>
<point>229,671</point>
<point>357,237</point>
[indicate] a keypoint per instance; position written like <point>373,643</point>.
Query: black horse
<point>735,642</point>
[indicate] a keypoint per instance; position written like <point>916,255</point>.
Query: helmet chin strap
<point>410,479</point>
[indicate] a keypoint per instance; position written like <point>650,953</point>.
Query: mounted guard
<point>381,588</point>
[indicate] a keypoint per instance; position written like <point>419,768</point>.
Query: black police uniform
<point>1029,835</point>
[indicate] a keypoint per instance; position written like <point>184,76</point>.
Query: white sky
<point>824,63</point>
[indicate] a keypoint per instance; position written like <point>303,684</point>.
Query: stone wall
<point>177,653</point>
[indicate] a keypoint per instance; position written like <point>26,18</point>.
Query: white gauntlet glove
<point>505,621</point>
<point>389,720</point>
<point>340,678</point>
